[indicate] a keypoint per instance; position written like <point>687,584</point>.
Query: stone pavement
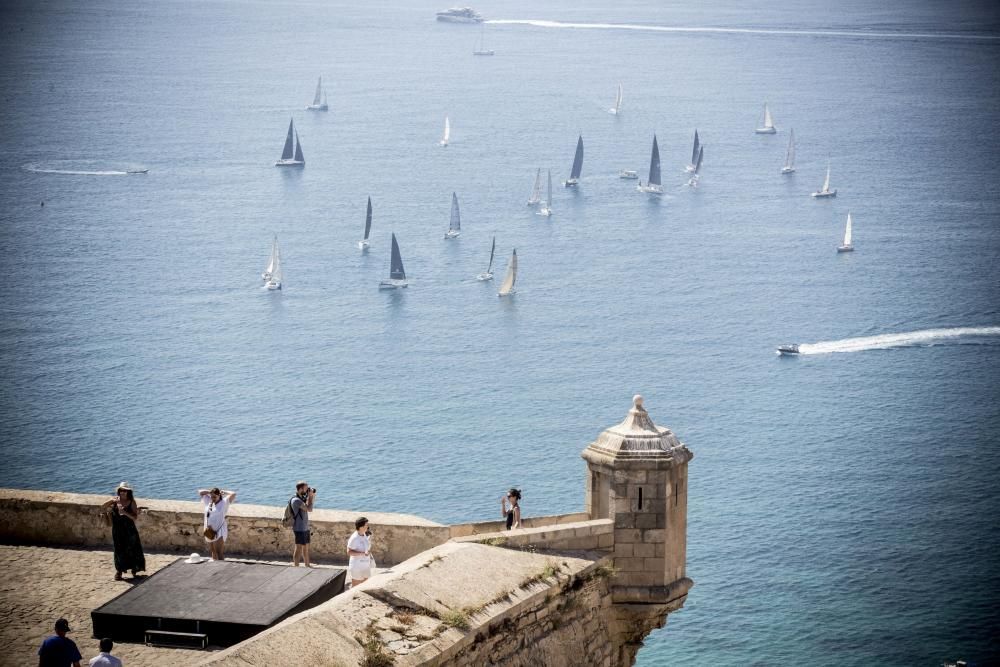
<point>40,584</point>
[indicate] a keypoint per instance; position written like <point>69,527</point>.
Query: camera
<point>312,489</point>
<point>368,532</point>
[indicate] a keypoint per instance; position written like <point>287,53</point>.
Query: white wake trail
<point>744,31</point>
<point>74,172</point>
<point>885,341</point>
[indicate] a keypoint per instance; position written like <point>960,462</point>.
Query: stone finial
<point>637,437</point>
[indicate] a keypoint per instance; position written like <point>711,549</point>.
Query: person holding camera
<point>359,548</point>
<point>301,504</point>
<point>215,530</point>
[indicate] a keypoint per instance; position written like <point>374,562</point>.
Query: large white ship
<point>460,15</point>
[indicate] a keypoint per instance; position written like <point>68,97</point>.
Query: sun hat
<point>124,485</point>
<point>195,558</point>
<point>63,625</point>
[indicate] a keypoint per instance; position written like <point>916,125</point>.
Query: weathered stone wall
<point>481,527</point>
<point>255,531</point>
<point>597,535</point>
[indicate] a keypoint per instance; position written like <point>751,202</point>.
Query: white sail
<point>455,222</point>
<point>826,182</point>
<point>790,154</point>
<point>276,272</point>
<point>536,189</point>
<point>847,232</point>
<point>617,109</point>
<point>447,131</point>
<point>272,260</point>
<point>768,123</point>
<point>507,286</point>
<point>317,98</point>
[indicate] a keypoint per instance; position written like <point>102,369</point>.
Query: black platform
<point>228,601</point>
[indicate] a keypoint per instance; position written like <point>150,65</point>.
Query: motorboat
<point>628,174</point>
<point>137,171</point>
<point>788,350</point>
<point>460,15</point>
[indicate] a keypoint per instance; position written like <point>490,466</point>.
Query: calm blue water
<point>842,506</point>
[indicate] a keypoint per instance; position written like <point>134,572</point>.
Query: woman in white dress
<point>216,502</point>
<point>359,548</point>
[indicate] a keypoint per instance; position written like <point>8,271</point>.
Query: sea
<point>843,503</point>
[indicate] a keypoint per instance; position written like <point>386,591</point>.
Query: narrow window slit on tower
<point>640,497</point>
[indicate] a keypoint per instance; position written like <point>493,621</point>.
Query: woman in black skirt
<point>128,548</point>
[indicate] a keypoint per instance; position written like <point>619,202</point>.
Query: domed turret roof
<point>637,440</point>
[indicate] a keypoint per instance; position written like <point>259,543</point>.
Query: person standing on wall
<point>359,548</point>
<point>216,502</point>
<point>300,505</point>
<point>124,512</point>
<point>59,650</point>
<point>513,513</point>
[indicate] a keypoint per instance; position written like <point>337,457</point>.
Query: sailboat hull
<point>788,170</point>
<point>363,245</point>
<point>272,285</point>
<point>766,130</point>
<point>571,182</point>
<point>824,195</point>
<point>317,107</point>
<point>845,248</point>
<point>451,234</point>
<point>651,189</point>
<point>628,174</point>
<point>544,211</point>
<point>290,163</point>
<point>484,276</point>
<point>392,284</point>
<point>534,202</point>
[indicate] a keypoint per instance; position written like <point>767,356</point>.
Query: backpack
<point>289,517</point>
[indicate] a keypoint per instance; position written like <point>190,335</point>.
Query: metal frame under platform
<point>227,601</point>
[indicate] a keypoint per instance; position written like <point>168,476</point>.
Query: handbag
<point>209,533</point>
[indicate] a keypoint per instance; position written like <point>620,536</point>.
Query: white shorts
<point>360,567</point>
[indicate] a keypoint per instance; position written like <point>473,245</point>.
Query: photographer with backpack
<point>297,518</point>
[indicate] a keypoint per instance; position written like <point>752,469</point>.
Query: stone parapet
<point>597,535</point>
<point>482,527</point>
<point>255,531</point>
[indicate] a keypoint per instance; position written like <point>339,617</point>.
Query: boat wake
<point>926,337</point>
<point>746,31</point>
<point>76,168</point>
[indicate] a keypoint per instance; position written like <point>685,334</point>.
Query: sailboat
<point>652,185</point>
<point>363,243</point>
<point>694,154</point>
<point>826,191</point>
<point>319,99</point>
<point>397,276</point>
<point>447,132</point>
<point>768,126</point>
<point>693,181</point>
<point>846,246</point>
<point>481,50</point>
<point>617,108</point>
<point>272,273</point>
<point>790,154</point>
<point>288,157</point>
<point>455,223</point>
<point>536,189</point>
<point>546,208</point>
<point>272,260</point>
<point>574,177</point>
<point>507,286</point>
<point>488,273</point>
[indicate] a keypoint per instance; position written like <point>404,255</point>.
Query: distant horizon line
<point>544,23</point>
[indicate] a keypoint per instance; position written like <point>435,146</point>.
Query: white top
<point>361,543</point>
<point>215,516</point>
<point>103,659</point>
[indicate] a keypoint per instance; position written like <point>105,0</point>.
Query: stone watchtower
<point>638,479</point>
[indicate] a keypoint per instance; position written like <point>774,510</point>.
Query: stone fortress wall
<point>574,589</point>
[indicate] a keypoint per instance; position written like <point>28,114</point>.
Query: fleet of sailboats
<point>536,189</point>
<point>825,191</point>
<point>455,221</point>
<point>319,99</point>
<point>768,125</point>
<point>363,243</point>
<point>447,132</point>
<point>272,272</point>
<point>397,276</point>
<point>488,273</point>
<point>574,176</point>
<point>790,154</point>
<point>617,108</point>
<point>653,185</point>
<point>291,157</point>
<point>507,286</point>
<point>846,246</point>
<point>546,207</point>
